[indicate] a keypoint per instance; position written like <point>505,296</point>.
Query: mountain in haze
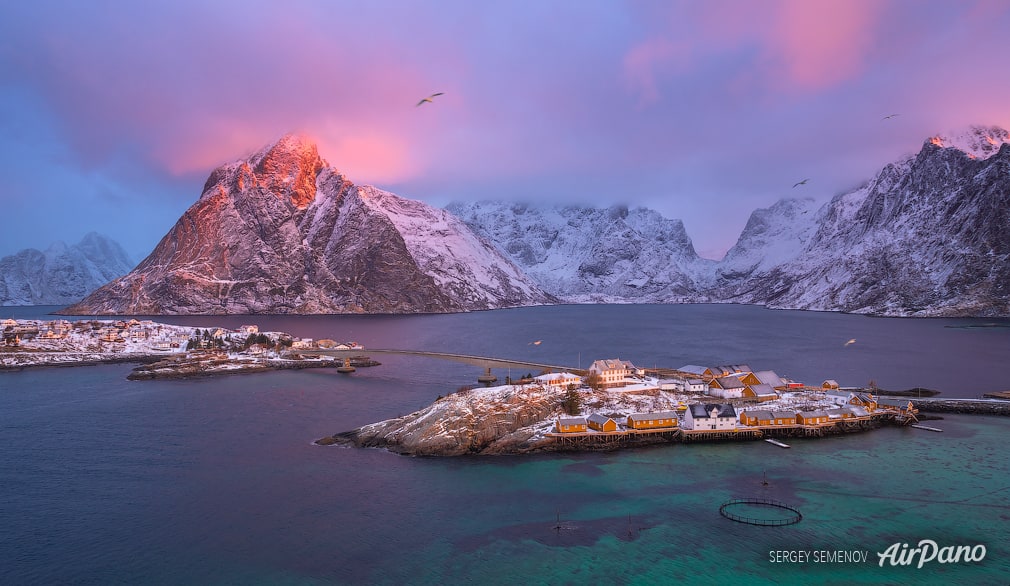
<point>61,274</point>
<point>927,236</point>
<point>283,232</point>
<point>585,254</point>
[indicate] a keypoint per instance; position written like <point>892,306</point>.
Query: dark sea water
<point>216,481</point>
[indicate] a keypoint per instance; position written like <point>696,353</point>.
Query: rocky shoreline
<point>965,407</point>
<point>195,365</point>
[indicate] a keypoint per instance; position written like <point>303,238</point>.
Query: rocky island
<point>615,405</point>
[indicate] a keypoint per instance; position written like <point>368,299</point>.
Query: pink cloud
<point>211,91</point>
<point>823,43</point>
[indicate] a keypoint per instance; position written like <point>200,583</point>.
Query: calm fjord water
<point>215,481</point>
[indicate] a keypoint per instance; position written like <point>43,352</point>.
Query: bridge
<point>481,361</point>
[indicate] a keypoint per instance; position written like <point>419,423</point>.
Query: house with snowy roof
<point>727,387</point>
<point>570,424</point>
<point>760,393</point>
<point>601,422</point>
<point>612,372</point>
<point>656,420</point>
<point>811,417</point>
<point>558,380</point>
<point>710,416</point>
<point>702,371</point>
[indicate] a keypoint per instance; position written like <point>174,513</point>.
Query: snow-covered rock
<point>61,274</point>
<point>927,236</point>
<point>283,232</point>
<point>585,254</point>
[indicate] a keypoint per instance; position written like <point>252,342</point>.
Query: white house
<point>558,380</point>
<point>696,385</point>
<point>612,372</point>
<point>727,387</point>
<point>710,416</point>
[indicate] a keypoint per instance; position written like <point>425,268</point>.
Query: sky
<point>113,113</point>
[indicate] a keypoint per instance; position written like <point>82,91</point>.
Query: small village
<point>713,402</point>
<point>182,349</point>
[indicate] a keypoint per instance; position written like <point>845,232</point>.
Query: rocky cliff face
<point>925,237</point>
<point>61,274</point>
<point>498,420</point>
<point>585,254</point>
<point>283,232</point>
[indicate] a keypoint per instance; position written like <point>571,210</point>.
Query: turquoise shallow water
<point>215,481</point>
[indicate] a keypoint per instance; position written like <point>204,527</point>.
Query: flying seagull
<point>537,343</point>
<point>852,341</point>
<point>804,182</point>
<point>428,99</point>
<point>889,116</point>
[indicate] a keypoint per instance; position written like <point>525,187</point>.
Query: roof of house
<point>601,419</point>
<point>704,411</point>
<point>743,368</point>
<point>763,390</point>
<point>611,364</point>
<point>758,413</point>
<point>648,416</point>
<point>810,414</point>
<point>695,381</point>
<point>571,420</point>
<point>769,378</point>
<point>694,369</point>
<point>838,393</point>
<point>903,403</point>
<point>784,414</point>
<point>831,382</point>
<point>729,382</point>
<point>556,376</point>
<point>858,410</point>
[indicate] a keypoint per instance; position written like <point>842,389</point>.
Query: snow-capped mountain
<point>585,254</point>
<point>283,232</point>
<point>61,274</point>
<point>927,236</point>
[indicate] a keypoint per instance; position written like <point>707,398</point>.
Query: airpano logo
<point>899,554</point>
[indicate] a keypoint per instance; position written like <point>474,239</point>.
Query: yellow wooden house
<point>652,420</point>
<point>601,422</point>
<point>811,417</point>
<point>756,417</point>
<point>570,424</point>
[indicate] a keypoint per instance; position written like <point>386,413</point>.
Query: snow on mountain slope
<point>925,237</point>
<point>585,254</point>
<point>61,274</point>
<point>283,232</point>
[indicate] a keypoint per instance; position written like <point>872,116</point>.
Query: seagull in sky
<point>852,341</point>
<point>889,116</point>
<point>428,99</point>
<point>537,343</point>
<point>804,182</point>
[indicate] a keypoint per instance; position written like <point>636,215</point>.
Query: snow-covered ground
<point>52,342</point>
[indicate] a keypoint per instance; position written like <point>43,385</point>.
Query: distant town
<point>169,350</point>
